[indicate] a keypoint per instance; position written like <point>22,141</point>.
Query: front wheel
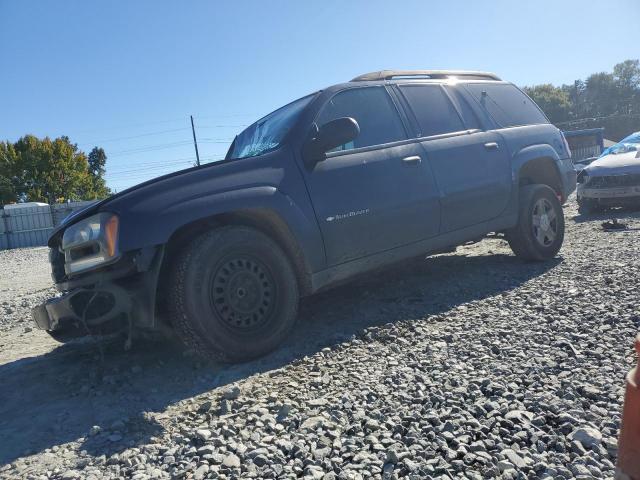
<point>540,230</point>
<point>233,294</point>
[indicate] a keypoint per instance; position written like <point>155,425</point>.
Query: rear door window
<point>374,111</point>
<point>462,104</point>
<point>508,106</point>
<point>433,110</point>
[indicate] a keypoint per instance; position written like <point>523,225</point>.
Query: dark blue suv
<point>388,166</point>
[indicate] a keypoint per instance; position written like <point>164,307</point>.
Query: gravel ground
<point>466,365</point>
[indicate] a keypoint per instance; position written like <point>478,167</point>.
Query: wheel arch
<point>539,164</point>
<point>265,220</point>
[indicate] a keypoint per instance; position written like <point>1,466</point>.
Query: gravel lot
<point>466,365</point>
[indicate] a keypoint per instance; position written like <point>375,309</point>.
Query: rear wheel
<point>233,294</point>
<point>540,230</point>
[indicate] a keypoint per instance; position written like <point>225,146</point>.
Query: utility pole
<point>195,142</point>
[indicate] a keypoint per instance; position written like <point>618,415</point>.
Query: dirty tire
<point>537,243</point>
<point>233,295</point>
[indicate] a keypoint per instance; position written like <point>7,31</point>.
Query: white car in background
<point>613,180</point>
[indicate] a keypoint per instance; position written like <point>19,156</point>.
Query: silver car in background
<point>613,180</point>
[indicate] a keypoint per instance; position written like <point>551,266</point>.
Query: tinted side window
<point>508,106</point>
<point>433,110</point>
<point>470,120</point>
<point>373,110</point>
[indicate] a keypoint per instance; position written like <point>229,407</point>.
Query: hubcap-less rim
<point>544,222</point>
<point>242,293</point>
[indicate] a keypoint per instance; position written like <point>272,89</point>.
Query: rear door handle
<point>414,160</point>
<point>491,146</point>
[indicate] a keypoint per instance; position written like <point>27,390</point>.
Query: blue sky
<point>126,75</point>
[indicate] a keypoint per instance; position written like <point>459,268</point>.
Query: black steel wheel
<point>243,293</point>
<point>233,294</point>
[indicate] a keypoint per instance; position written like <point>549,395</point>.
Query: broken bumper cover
<point>83,311</point>
<point>105,300</point>
<point>611,196</point>
<point>616,192</point>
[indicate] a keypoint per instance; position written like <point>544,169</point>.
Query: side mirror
<point>330,135</point>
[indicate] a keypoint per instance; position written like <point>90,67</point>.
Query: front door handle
<point>491,146</point>
<point>414,160</point>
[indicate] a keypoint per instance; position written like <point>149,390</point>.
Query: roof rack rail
<point>434,74</point>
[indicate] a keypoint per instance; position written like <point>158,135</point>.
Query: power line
<point>151,172</point>
<point>150,148</point>
<point>222,126</point>
<point>95,142</point>
<point>120,127</point>
<point>161,166</point>
<point>158,122</point>
<point>226,116</point>
<point>149,167</point>
<point>160,162</point>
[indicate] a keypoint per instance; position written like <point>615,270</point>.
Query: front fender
<point>140,228</point>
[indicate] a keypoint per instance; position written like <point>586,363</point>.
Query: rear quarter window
<point>508,106</point>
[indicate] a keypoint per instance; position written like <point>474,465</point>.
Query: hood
<point>149,202</point>
<point>95,207</point>
<point>615,164</point>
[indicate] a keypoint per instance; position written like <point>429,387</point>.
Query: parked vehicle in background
<point>388,166</point>
<point>586,145</point>
<point>613,180</point>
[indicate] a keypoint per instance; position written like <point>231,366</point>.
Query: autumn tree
<point>553,101</point>
<point>46,170</point>
<point>97,168</point>
<point>604,99</point>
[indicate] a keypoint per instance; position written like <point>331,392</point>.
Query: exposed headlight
<point>90,242</point>
<point>583,176</point>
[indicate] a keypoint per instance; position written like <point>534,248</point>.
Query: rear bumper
<point>103,301</point>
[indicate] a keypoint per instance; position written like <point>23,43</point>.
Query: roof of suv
<point>425,74</point>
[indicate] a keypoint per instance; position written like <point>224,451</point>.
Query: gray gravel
<point>467,365</point>
<point>24,280</point>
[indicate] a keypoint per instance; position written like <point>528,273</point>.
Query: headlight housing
<point>583,176</point>
<point>91,242</point>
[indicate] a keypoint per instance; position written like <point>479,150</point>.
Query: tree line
<point>604,99</point>
<point>46,170</point>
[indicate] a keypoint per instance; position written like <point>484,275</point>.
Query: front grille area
<point>612,181</point>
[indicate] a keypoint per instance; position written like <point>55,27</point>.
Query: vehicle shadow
<point>56,398</point>
<point>617,213</point>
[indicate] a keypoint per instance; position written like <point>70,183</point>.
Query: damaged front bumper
<point>103,301</point>
<point>612,196</point>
